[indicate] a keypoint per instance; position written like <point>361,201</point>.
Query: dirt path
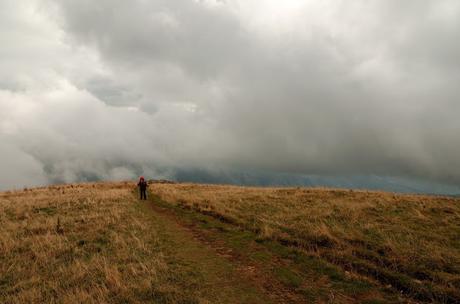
<point>213,270</point>
<point>227,263</point>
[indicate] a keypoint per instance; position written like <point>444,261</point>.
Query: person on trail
<point>142,184</point>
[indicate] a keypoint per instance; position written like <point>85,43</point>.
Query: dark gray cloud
<point>115,88</point>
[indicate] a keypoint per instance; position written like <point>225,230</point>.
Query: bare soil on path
<point>223,274</point>
<point>207,272</point>
<point>227,264</point>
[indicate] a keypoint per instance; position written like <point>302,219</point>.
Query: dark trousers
<point>143,194</point>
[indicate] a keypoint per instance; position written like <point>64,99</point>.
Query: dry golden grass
<point>79,244</point>
<point>93,243</point>
<point>411,242</point>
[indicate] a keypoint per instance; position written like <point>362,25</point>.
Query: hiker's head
<point>142,178</point>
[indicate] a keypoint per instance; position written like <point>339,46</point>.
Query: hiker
<point>142,184</point>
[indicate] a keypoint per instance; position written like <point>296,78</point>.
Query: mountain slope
<point>408,242</point>
<point>95,243</point>
<point>191,243</point>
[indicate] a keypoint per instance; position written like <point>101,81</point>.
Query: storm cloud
<point>113,89</point>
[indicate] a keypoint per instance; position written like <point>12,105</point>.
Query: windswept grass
<point>80,244</point>
<point>95,243</point>
<point>410,243</point>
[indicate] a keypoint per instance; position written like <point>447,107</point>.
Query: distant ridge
<point>364,182</point>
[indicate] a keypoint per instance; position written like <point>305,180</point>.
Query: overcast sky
<point>111,89</point>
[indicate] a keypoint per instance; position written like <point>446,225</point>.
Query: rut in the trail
<point>218,274</point>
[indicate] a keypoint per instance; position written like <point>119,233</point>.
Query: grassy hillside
<point>408,242</point>
<point>96,243</point>
<point>76,243</point>
<point>189,243</point>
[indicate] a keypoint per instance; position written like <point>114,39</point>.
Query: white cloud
<point>19,169</point>
<point>115,88</point>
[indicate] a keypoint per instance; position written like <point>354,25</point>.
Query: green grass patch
<point>288,277</point>
<point>353,287</point>
<point>46,210</point>
<point>374,301</point>
<point>261,256</point>
<point>312,294</point>
<point>301,268</point>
